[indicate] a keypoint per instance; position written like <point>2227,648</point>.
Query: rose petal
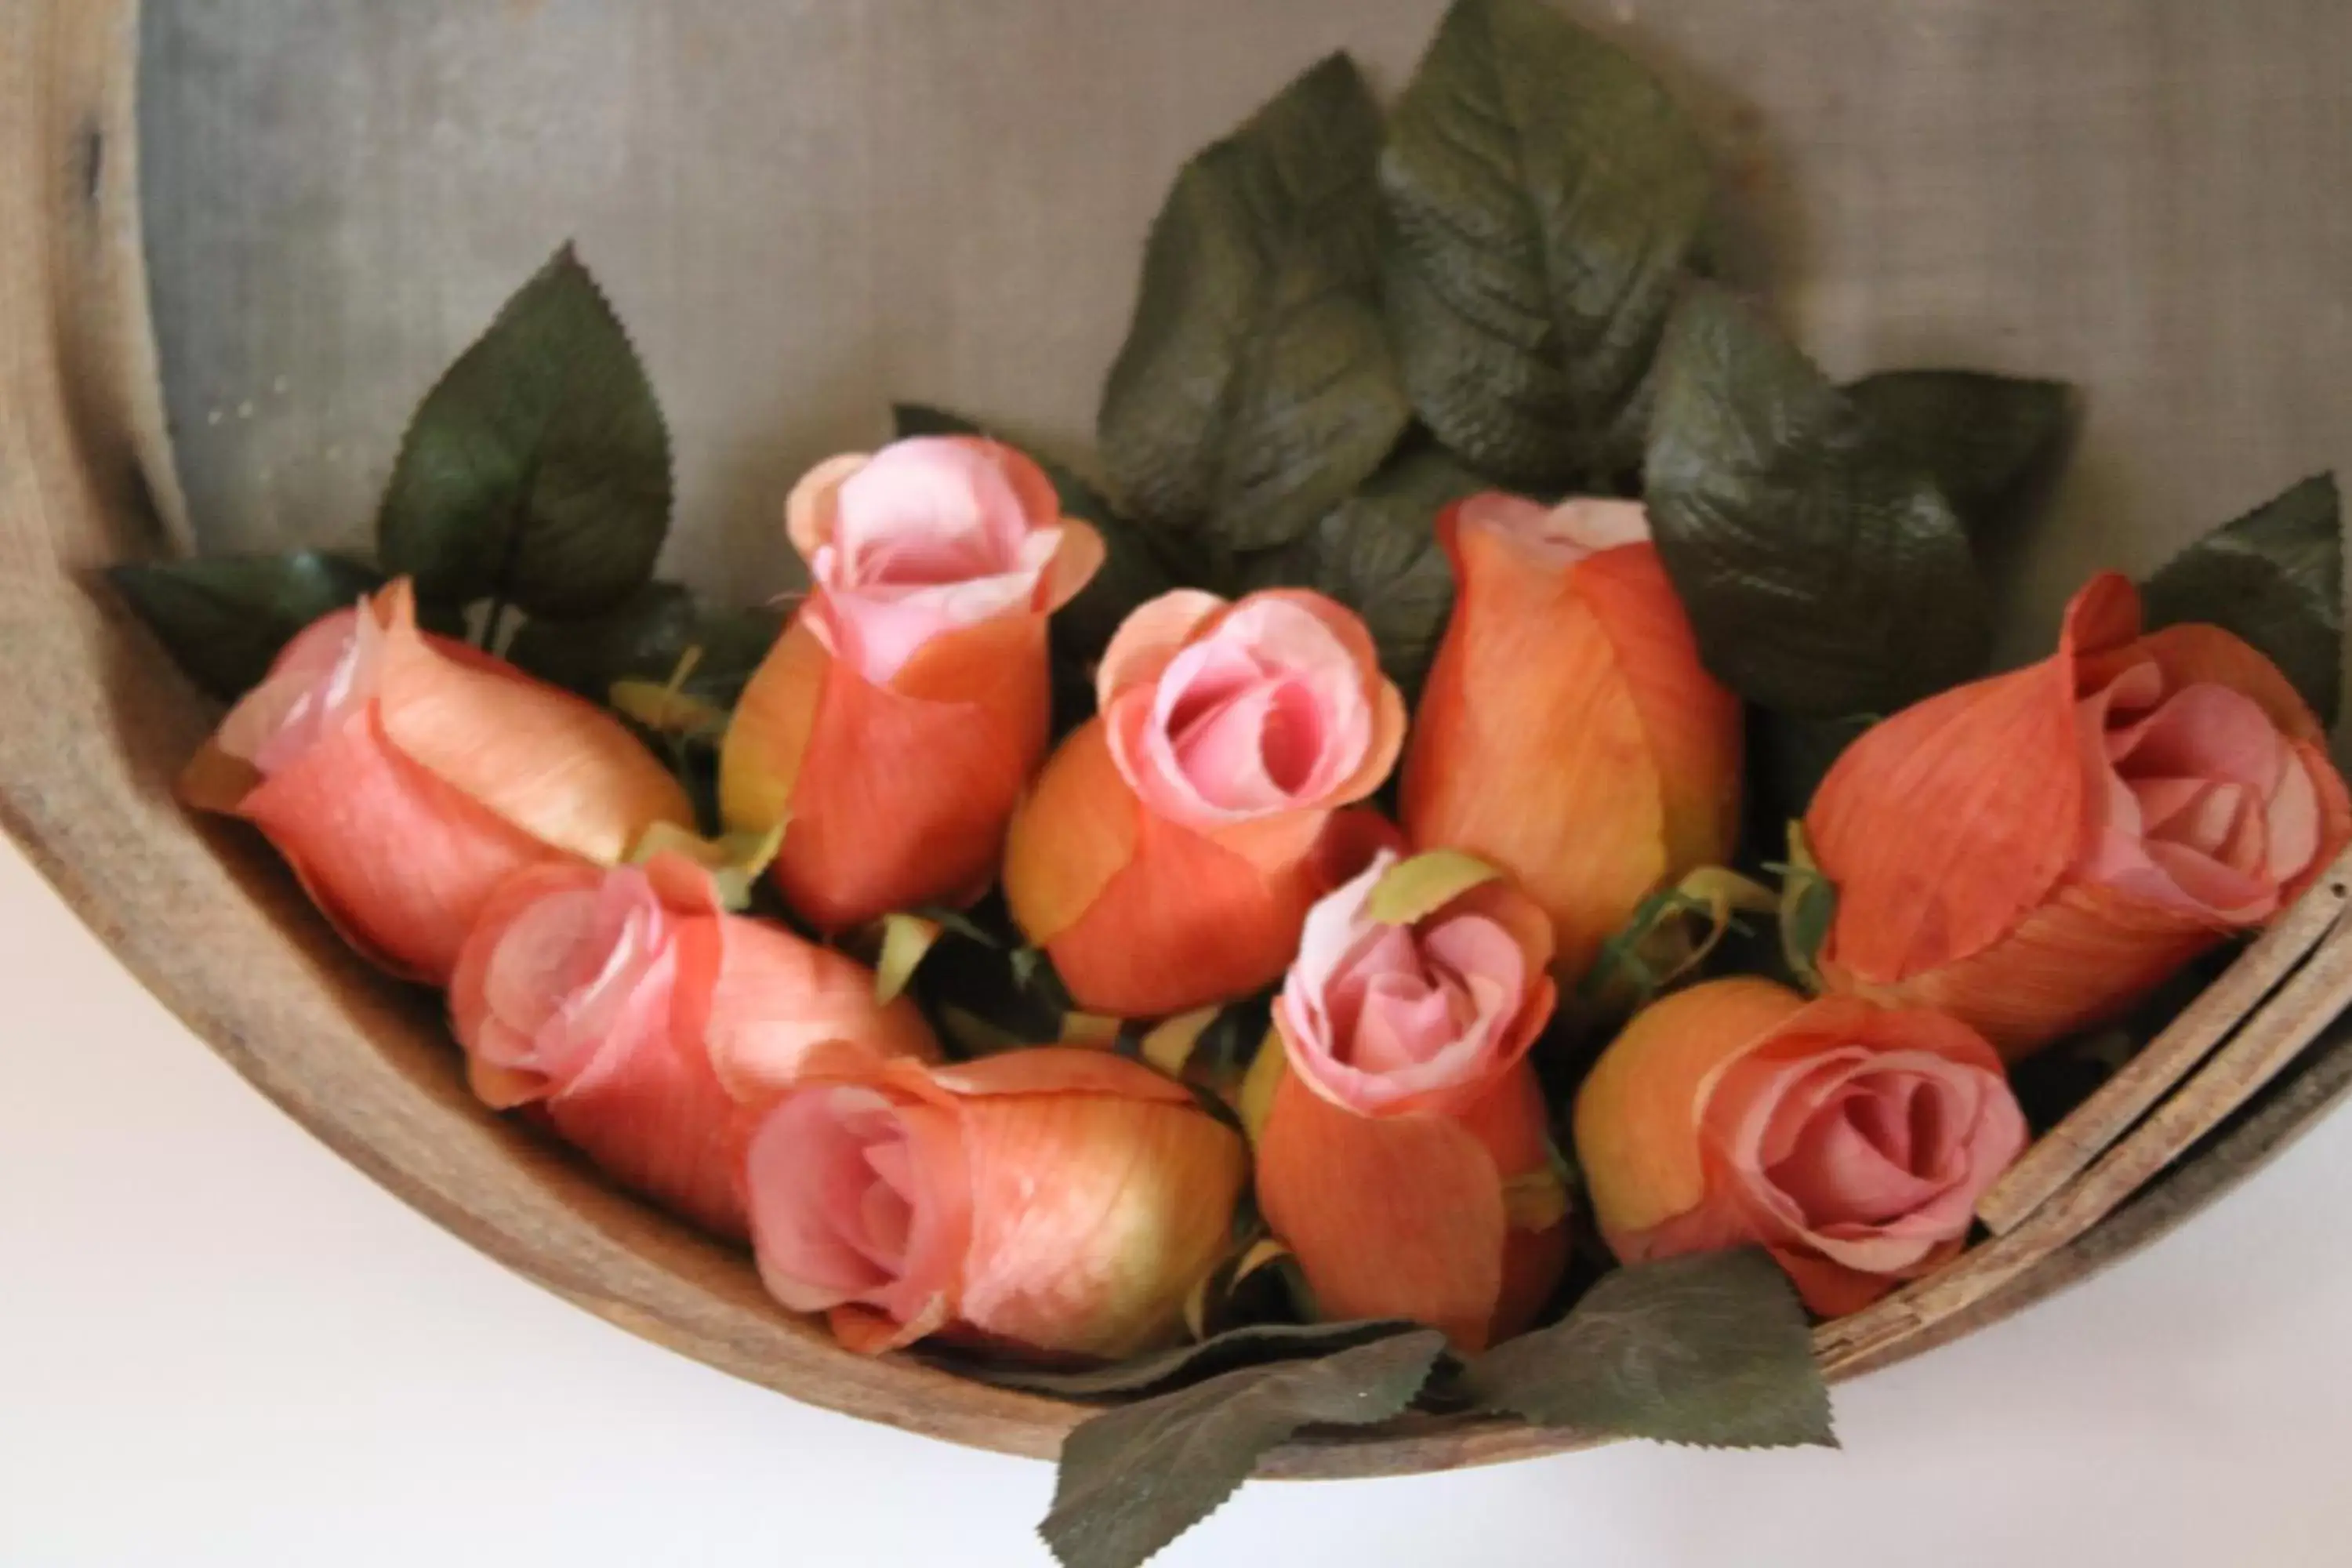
<point>400,860</point>
<point>1265,711</point>
<point>1074,833</point>
<point>1530,750</point>
<point>1396,1216</point>
<point>1093,1214</point>
<point>1152,633</point>
<point>806,1177</point>
<point>1636,1116</point>
<point>1946,826</point>
<point>777,1001</point>
<point>892,796</point>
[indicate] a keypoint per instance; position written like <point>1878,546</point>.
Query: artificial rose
<point>1407,1117</point>
<point>642,1020</point>
<point>1852,1140</point>
<point>1061,1200</point>
<point>1174,843</point>
<point>1392,1019</point>
<point>906,707</point>
<point>404,776</point>
<point>1568,732</point>
<point>2035,852</point>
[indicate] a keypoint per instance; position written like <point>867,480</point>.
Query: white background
<point>220,1345</point>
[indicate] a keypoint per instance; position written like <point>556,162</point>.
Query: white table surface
<point>220,1345</point>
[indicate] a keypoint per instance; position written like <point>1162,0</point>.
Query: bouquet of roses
<point>1270,941</point>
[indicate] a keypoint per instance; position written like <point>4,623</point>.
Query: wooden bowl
<point>2121,196</point>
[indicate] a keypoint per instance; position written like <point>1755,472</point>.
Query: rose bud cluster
<point>2014,860</point>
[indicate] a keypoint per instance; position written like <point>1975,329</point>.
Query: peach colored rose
<point>643,1021</point>
<point>907,705</point>
<point>1060,1200</point>
<point>1568,732</point>
<point>1408,1110</point>
<point>2035,852</point>
<point>404,776</point>
<point>1172,846</point>
<point>1851,1140</point>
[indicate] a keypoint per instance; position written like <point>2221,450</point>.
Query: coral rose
<point>907,705</point>
<point>1173,844</point>
<point>404,776</point>
<point>642,1020</point>
<point>2035,852</point>
<point>1852,1140</point>
<point>1568,732</point>
<point>1059,1200</point>
<point>1408,1117</point>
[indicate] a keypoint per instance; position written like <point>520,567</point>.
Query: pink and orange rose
<point>1568,732</point>
<point>1407,1136</point>
<point>643,1022</point>
<point>2033,853</point>
<point>1851,1140</point>
<point>406,776</point>
<point>1055,1201</point>
<point>1168,855</point>
<point>907,705</point>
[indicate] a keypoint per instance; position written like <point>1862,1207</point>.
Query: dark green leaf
<point>225,619</point>
<point>645,639</point>
<point>1808,909</point>
<point>1823,575</point>
<point>1543,193</point>
<point>1135,1477</point>
<point>2275,578</point>
<point>1257,388</point>
<point>537,470</point>
<point>1132,570</point>
<point>1254,1345</point>
<point>1980,436</point>
<point>1377,553</point>
<point>1711,1349</point>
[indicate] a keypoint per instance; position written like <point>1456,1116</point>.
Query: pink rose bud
<point>406,776</point>
<point>643,1021</point>
<point>906,707</point>
<point>2035,852</point>
<point>1408,1115</point>
<point>1568,733</point>
<point>1061,1200</point>
<point>1172,846</point>
<point>1852,1140</point>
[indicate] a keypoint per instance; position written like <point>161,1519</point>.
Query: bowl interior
<point>806,212</point>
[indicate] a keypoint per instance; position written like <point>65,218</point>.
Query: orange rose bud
<point>1850,1140</point>
<point>2035,852</point>
<point>908,702</point>
<point>1061,1200</point>
<point>643,1021</point>
<point>406,776</point>
<point>1568,732</point>
<point>1404,1160</point>
<point>1173,843</point>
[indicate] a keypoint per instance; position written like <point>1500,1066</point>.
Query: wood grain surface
<point>807,209</point>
